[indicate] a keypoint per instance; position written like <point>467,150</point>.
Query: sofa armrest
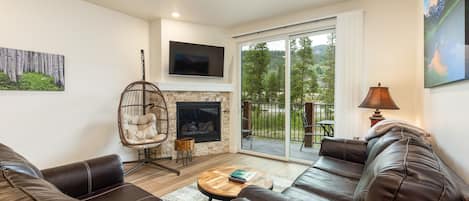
<point>349,150</point>
<point>255,193</point>
<point>83,178</point>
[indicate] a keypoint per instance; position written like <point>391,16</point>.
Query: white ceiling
<point>224,13</point>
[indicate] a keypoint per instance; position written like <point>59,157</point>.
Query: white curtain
<point>350,74</point>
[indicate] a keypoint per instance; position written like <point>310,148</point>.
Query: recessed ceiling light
<point>175,14</point>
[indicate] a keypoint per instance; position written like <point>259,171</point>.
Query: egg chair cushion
<point>140,128</point>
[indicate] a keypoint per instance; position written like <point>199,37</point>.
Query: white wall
<point>155,53</point>
<point>390,43</point>
<point>391,57</point>
<point>165,30</point>
<point>101,49</point>
<point>446,111</point>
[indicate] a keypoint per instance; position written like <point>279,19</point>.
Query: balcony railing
<point>267,120</point>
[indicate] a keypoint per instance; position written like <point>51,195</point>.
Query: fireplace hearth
<point>199,120</point>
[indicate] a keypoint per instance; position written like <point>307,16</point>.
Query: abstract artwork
<point>446,58</point>
<point>33,71</point>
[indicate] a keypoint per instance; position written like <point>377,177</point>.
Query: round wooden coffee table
<point>215,182</point>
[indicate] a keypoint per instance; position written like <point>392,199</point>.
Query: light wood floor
<point>160,182</point>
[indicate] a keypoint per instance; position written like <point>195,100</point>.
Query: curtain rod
<point>283,27</point>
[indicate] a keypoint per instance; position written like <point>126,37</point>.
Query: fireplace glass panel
<point>200,120</point>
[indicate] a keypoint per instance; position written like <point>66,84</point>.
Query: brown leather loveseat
<point>398,166</point>
<point>97,179</point>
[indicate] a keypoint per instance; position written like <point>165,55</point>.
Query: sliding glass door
<point>263,97</point>
<point>312,73</point>
<point>288,95</point>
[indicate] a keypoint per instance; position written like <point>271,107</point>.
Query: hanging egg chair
<point>143,121</point>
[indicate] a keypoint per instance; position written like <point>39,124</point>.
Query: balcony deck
<point>276,147</point>
<point>263,125</point>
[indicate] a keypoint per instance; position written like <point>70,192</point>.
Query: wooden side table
<point>184,148</point>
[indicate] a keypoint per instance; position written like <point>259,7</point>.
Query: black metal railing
<point>268,120</point>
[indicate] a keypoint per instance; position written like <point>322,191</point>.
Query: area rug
<point>191,193</point>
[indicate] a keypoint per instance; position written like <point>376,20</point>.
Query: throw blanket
<point>385,126</point>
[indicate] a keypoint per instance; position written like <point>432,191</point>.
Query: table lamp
<point>378,98</point>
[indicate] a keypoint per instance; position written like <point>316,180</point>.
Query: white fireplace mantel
<point>193,86</point>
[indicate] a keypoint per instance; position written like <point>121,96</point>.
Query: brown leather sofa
<point>97,179</point>
<point>396,167</point>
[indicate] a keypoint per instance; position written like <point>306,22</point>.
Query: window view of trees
<point>256,63</point>
<point>312,70</point>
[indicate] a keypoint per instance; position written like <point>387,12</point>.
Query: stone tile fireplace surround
<point>174,95</point>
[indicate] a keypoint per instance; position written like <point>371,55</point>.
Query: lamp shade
<point>379,98</point>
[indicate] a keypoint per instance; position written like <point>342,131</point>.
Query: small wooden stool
<point>184,148</point>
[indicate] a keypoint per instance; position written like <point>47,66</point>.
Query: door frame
<point>286,37</point>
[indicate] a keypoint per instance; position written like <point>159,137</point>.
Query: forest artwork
<point>445,42</point>
<point>28,70</point>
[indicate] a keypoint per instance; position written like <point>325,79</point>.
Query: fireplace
<point>200,120</point>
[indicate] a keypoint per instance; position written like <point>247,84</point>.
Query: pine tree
<point>303,76</point>
<point>281,83</point>
<point>271,86</point>
<point>255,62</point>
<point>327,95</point>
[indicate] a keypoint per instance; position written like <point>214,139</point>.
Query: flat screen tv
<point>195,59</point>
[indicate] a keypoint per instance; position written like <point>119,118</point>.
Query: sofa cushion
<point>380,143</point>
<point>339,167</point>
<point>16,186</point>
<point>256,193</point>
<point>303,195</point>
<point>320,182</point>
<point>455,186</point>
<point>9,159</point>
<point>344,149</point>
<point>406,170</point>
<point>124,192</point>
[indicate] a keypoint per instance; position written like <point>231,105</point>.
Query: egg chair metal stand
<point>138,99</point>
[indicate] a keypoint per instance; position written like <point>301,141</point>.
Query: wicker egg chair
<point>143,122</point>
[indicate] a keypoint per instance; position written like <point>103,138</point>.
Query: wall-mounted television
<point>195,59</point>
